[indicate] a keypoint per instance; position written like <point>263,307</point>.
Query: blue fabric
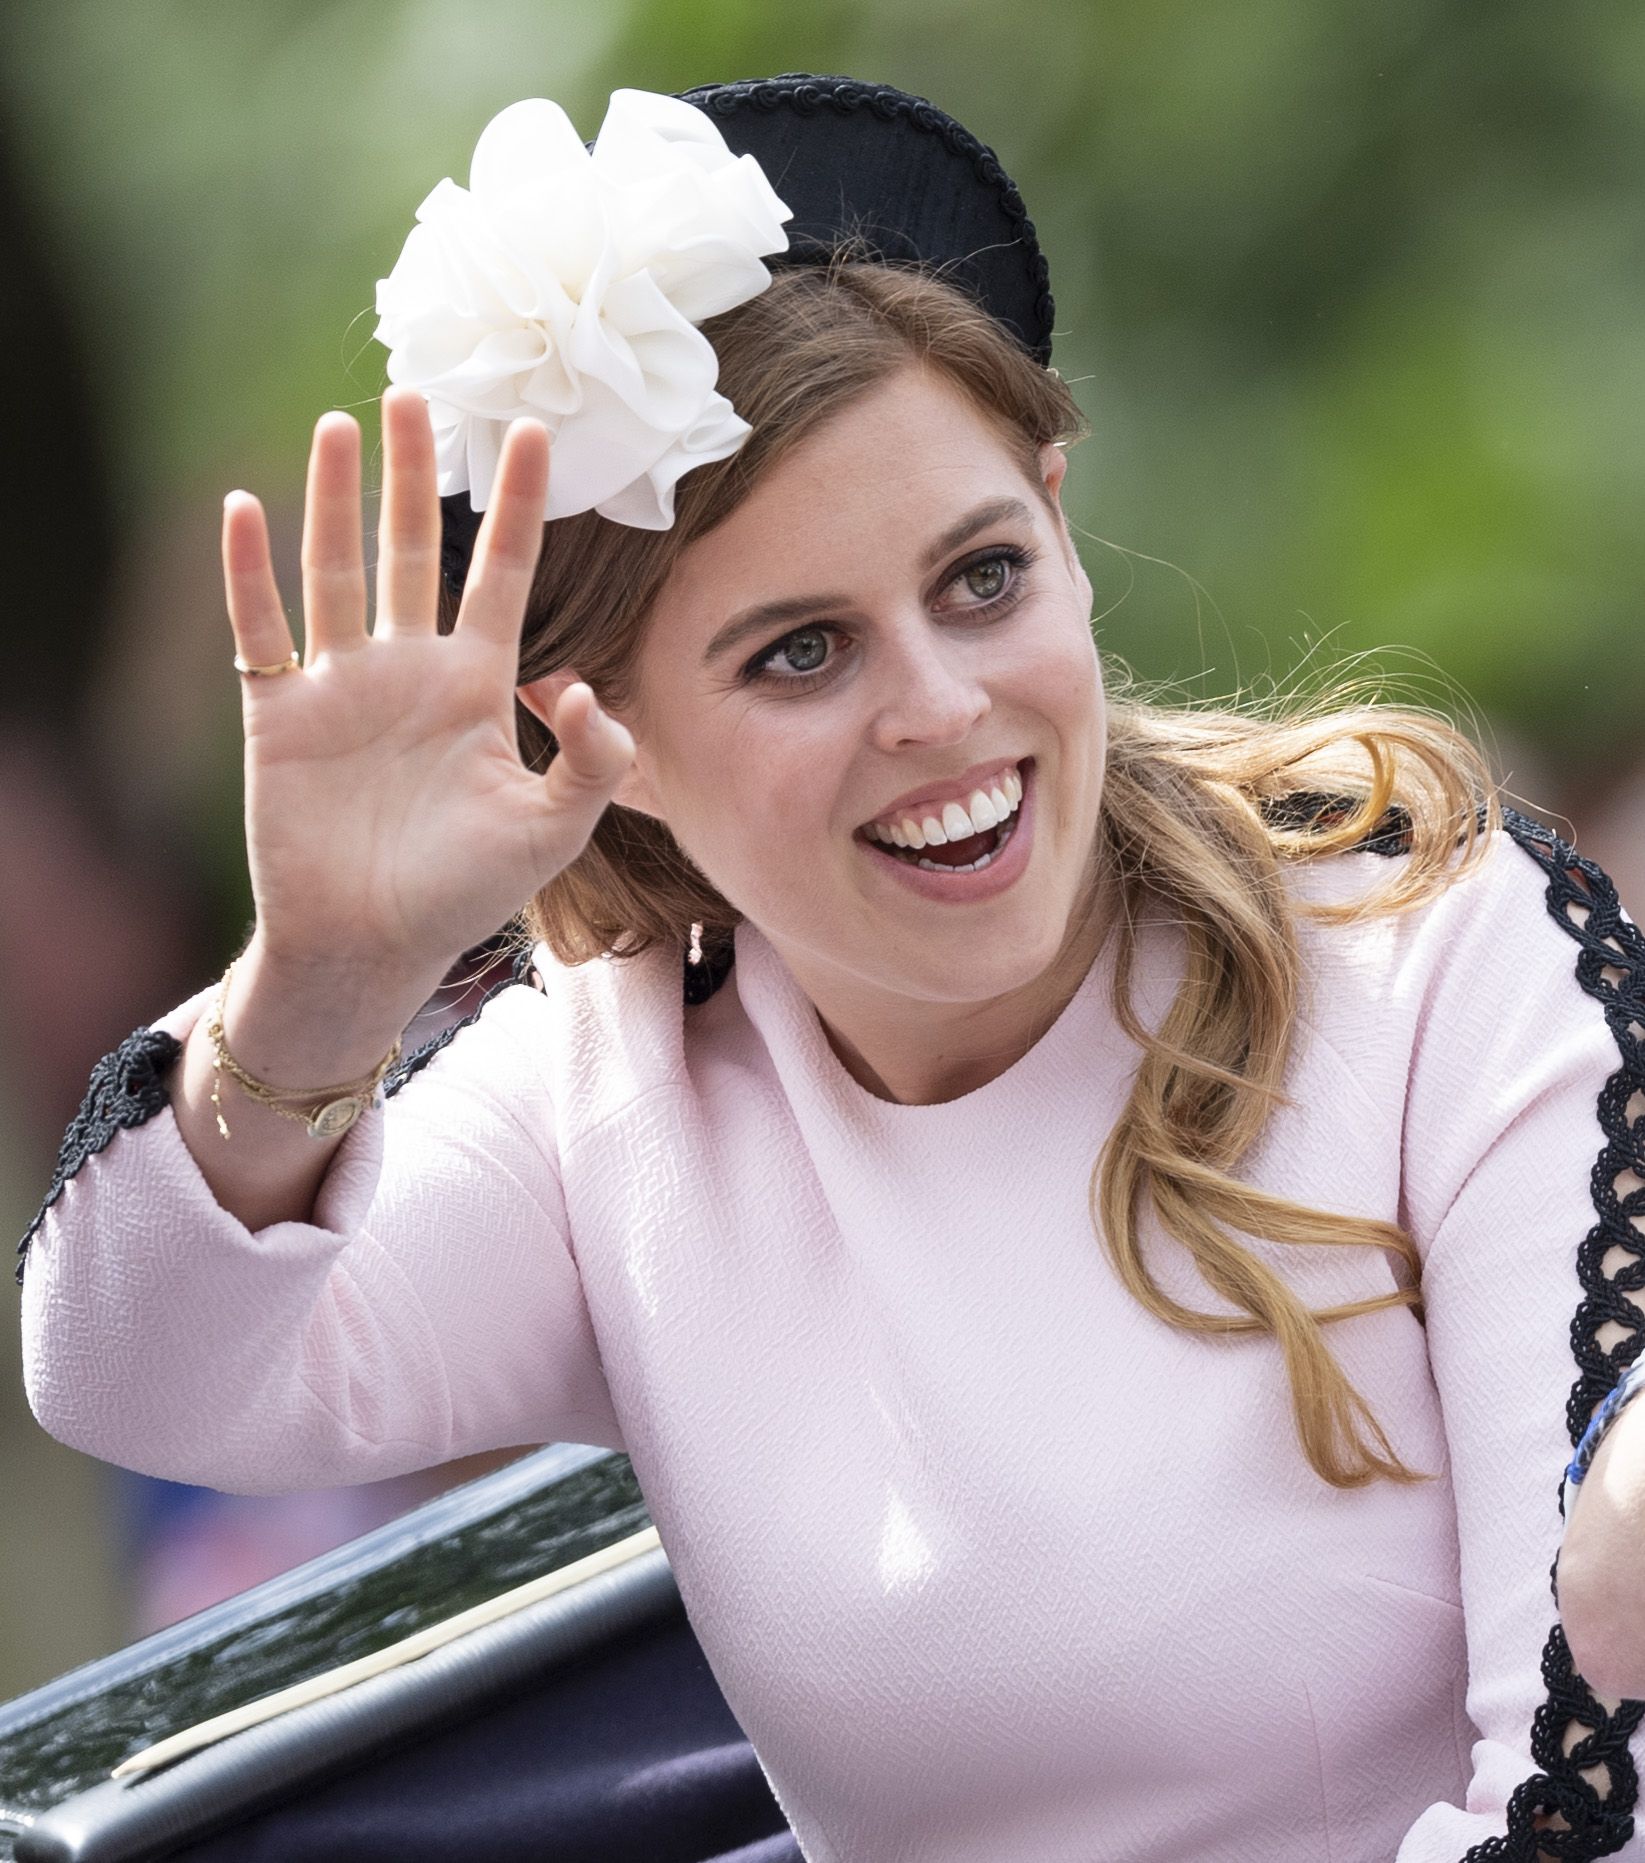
<point>630,1756</point>
<point>1628,1386</point>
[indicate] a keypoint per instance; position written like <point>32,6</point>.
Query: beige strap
<point>408,1649</point>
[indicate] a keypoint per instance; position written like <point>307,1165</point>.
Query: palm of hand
<point>388,814</point>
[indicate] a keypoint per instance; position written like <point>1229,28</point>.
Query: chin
<point>947,976</point>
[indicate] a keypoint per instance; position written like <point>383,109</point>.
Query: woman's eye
<point>988,579</point>
<point>802,652</point>
<point>792,658</point>
<point>802,658</point>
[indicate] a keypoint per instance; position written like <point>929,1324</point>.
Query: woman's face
<point>932,633</point>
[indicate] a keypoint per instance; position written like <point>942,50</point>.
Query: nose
<point>933,690</point>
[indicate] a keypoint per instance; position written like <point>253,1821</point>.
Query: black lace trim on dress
<point>419,1058</point>
<point>702,980</point>
<point>700,983</point>
<point>1611,967</point>
<point>1312,808</point>
<point>127,1087</point>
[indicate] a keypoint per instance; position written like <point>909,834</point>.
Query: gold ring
<point>293,665</point>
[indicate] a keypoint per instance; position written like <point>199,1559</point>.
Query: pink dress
<point>992,1566</point>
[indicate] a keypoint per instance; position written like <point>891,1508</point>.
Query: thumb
<point>596,751</point>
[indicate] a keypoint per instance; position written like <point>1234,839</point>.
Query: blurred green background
<point>1351,297</point>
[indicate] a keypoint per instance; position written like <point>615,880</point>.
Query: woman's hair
<point>1202,811</point>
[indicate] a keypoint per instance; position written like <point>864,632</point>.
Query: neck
<point>920,1053</point>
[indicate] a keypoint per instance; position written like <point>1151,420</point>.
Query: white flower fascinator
<point>567,283</point>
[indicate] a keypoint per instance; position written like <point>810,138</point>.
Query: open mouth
<point>953,846</point>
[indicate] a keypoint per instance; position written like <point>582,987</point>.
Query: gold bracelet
<point>339,1106</point>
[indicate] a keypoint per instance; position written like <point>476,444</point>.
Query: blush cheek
<point>776,872</point>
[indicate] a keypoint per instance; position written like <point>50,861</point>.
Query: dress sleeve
<point>1516,1177</point>
<point>430,1309</point>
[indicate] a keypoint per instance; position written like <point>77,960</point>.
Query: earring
<point>696,956</point>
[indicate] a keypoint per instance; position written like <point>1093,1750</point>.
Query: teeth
<point>987,808</point>
<point>956,823</point>
<point>975,866</point>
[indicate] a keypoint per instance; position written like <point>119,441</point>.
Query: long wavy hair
<point>1202,811</point>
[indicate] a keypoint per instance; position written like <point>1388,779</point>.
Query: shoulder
<point>485,977</point>
<point>590,1038</point>
<point>1523,904</point>
<point>1517,986</point>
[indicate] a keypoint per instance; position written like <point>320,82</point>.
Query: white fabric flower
<point>567,284</point>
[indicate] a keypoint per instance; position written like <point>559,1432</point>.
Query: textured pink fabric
<point>992,1566</point>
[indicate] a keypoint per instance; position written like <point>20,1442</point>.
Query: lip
<point>966,888</point>
<point>956,789</point>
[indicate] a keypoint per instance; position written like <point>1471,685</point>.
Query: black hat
<point>869,163</point>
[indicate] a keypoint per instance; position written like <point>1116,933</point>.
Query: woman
<point>955,1260</point>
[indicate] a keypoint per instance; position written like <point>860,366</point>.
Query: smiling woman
<point>907,485</point>
<point>953,1253</point>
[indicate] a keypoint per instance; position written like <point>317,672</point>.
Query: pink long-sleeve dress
<point>992,1565</point>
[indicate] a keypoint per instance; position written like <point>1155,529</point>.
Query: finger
<point>262,635</point>
<point>334,576</point>
<point>510,539</point>
<point>596,752</point>
<point>408,529</point>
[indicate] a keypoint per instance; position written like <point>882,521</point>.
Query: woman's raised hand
<point>389,817</point>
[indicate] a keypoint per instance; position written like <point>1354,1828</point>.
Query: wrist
<point>301,1027</point>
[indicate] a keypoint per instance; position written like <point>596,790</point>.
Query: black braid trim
<point>702,980</point>
<point>805,94</point>
<point>126,1088</point>
<point>419,1058</point>
<point>699,983</point>
<point>1609,943</point>
<point>1313,808</point>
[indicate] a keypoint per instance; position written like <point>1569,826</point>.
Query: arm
<point>1513,1100</point>
<point>1602,1562</point>
<point>428,1308</point>
<point>273,1319</point>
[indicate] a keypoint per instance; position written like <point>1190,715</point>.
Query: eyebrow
<point>765,615</point>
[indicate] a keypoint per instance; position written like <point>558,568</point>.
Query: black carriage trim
<point>1610,966</point>
<point>126,1088</point>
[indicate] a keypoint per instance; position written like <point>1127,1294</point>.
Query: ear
<point>1053,470</point>
<point>635,791</point>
